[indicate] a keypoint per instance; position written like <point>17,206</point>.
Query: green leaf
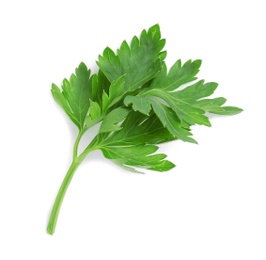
<point>171,122</point>
<point>140,61</point>
<point>211,104</point>
<point>74,98</point>
<point>138,156</point>
<point>227,111</point>
<point>187,103</point>
<point>100,84</point>
<point>111,120</point>
<point>185,111</point>
<point>214,106</point>
<point>116,93</point>
<point>138,104</point>
<point>177,76</point>
<point>95,114</point>
<point>133,144</point>
<point>138,129</point>
<point>195,92</point>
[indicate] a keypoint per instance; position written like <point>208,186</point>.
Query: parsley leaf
<point>138,105</point>
<point>140,61</point>
<point>110,122</point>
<point>74,98</point>
<point>173,106</point>
<point>138,155</point>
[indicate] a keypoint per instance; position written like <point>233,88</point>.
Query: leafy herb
<point>138,103</point>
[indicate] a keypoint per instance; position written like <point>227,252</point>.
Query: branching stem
<point>69,175</point>
<point>75,149</point>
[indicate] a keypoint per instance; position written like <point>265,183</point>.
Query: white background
<point>211,206</point>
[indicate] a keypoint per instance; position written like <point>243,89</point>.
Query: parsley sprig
<point>138,104</point>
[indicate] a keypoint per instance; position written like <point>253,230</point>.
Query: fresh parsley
<point>138,103</point>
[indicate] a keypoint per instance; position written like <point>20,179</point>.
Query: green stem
<point>75,150</point>
<point>63,188</point>
<point>60,196</point>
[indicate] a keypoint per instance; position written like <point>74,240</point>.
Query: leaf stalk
<point>68,177</point>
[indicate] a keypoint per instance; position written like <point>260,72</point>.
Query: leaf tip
<point>197,63</point>
<point>54,87</point>
<point>155,29</point>
<point>82,65</point>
